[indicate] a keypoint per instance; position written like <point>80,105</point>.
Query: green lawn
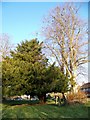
<point>44,111</point>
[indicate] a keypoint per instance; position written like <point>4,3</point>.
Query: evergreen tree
<point>27,72</point>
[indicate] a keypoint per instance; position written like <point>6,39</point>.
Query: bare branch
<point>66,37</point>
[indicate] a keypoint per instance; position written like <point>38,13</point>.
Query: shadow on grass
<point>20,102</point>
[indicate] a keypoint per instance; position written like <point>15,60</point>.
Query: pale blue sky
<point>21,20</point>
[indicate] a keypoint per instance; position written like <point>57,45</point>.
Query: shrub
<point>76,97</point>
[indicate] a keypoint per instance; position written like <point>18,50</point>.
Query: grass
<point>43,111</point>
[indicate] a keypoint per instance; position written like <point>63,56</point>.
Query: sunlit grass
<point>49,110</point>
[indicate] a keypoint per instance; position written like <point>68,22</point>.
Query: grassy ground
<point>44,110</point>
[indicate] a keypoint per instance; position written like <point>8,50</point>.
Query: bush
<point>76,97</point>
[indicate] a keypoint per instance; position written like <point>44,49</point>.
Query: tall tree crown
<point>66,39</point>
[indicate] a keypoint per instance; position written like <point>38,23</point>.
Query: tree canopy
<point>27,72</point>
<point>66,39</point>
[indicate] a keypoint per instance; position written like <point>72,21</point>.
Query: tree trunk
<point>64,99</point>
<point>56,100</point>
<point>42,98</point>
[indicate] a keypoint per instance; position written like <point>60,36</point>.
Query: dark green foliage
<point>60,82</point>
<point>27,72</point>
<point>23,71</point>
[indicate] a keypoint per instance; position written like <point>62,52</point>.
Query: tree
<point>27,72</point>
<point>5,45</point>
<point>19,69</point>
<point>66,39</point>
<point>60,82</point>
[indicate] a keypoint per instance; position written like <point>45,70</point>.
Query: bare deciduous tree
<point>5,45</point>
<point>66,39</point>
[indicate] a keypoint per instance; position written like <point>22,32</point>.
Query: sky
<point>22,20</point>
<point>45,0</point>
